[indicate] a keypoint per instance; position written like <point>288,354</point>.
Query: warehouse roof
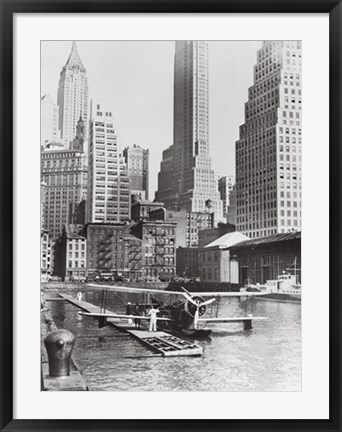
<point>275,238</point>
<point>228,240</point>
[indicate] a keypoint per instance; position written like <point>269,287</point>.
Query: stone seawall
<point>75,381</point>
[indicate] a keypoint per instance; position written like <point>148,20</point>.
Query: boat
<point>284,288</point>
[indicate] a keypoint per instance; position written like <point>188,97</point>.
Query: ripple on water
<point>268,358</point>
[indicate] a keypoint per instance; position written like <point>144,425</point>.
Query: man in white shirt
<point>153,320</point>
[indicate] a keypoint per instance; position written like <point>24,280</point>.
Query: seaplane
<point>186,312</point>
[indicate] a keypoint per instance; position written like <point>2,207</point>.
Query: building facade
<point>187,262</point>
<point>208,235</point>
<point>108,181</point>
<point>46,263</point>
<point>49,125</point>
<point>189,224</point>
<point>42,206</point>
<point>64,173</point>
<point>137,160</point>
<point>231,211</point>
<point>186,179</point>
<point>140,209</point>
<point>158,248</point>
<point>225,186</point>
<point>111,248</point>
<point>268,153</point>
<point>267,258</point>
<point>70,255</point>
<point>72,97</point>
<point>215,262</point>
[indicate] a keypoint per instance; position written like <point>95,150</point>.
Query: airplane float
<point>183,316</point>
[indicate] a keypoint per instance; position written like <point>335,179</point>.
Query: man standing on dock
<point>153,320</point>
<point>129,311</point>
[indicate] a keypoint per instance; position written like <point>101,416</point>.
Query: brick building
<point>158,248</point>
<point>187,262</point>
<point>111,248</point>
<point>189,224</point>
<point>208,235</point>
<point>70,255</point>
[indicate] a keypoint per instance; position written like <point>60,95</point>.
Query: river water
<point>266,358</point>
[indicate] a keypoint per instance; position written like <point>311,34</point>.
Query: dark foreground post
<point>59,345</point>
<point>247,325</point>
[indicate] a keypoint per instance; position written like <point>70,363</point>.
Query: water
<point>267,358</point>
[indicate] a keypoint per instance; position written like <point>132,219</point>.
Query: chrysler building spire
<point>72,97</point>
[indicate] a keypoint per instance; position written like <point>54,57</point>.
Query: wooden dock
<point>159,342</point>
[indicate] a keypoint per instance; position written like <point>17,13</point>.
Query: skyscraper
<point>72,96</point>
<point>268,153</point>
<point>108,182</point>
<point>136,159</point>
<point>225,186</point>
<point>49,131</point>
<point>64,173</point>
<point>191,180</point>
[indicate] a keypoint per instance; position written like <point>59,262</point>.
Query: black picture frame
<point>8,9</point>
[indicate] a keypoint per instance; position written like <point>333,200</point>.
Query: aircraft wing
<point>113,315</point>
<point>136,290</point>
<point>231,319</point>
<point>228,294</point>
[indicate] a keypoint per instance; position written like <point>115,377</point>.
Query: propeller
<point>198,306</point>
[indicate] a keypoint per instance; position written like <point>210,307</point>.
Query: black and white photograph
<point>170,215</point>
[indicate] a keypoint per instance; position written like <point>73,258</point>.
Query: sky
<point>134,79</point>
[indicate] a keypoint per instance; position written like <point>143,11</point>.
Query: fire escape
<point>159,251</point>
<point>105,253</point>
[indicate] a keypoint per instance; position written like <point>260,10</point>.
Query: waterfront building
<point>225,186</point>
<point>49,130</point>
<point>65,174</point>
<point>269,257</point>
<point>70,255</point>
<point>46,264</point>
<point>187,262</point>
<point>140,208</point>
<point>268,153</point>
<point>108,181</point>
<point>186,178</point>
<point>112,248</point>
<point>137,160</point>
<point>158,248</point>
<point>72,97</point>
<point>215,262</point>
<point>189,224</point>
<point>208,235</point>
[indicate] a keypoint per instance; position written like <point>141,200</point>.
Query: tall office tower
<point>49,131</point>
<point>136,159</point>
<point>188,159</point>
<point>72,96</point>
<point>225,186</point>
<point>64,173</point>
<point>108,182</point>
<point>268,153</point>
<point>231,211</point>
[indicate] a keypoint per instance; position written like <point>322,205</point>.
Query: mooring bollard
<point>59,345</point>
